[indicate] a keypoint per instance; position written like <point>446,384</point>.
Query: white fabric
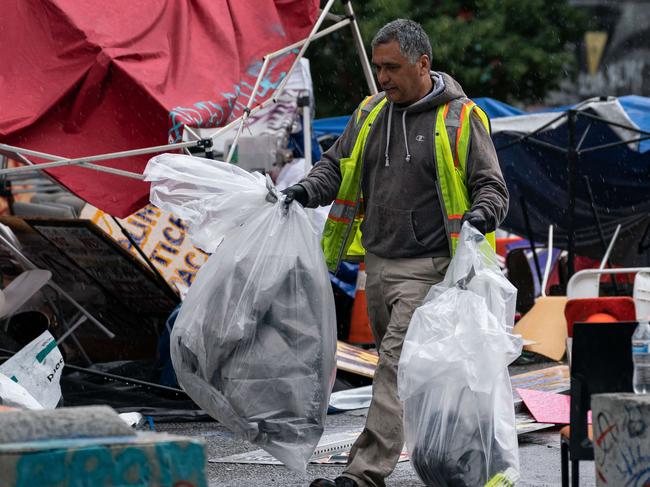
<point>610,110</point>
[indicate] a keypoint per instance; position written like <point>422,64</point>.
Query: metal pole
<point>303,101</point>
<point>318,35</point>
<point>608,252</point>
<point>140,252</point>
<point>249,106</point>
<point>80,160</point>
<point>272,55</point>
<point>358,42</point>
<point>247,110</point>
<point>549,259</point>
<point>531,239</point>
<point>572,161</point>
<point>317,25</point>
<point>88,165</point>
<point>30,265</point>
<point>71,330</point>
<point>599,226</point>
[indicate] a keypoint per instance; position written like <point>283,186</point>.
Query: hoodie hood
<point>445,88</point>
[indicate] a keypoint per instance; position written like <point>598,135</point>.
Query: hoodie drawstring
<point>390,118</point>
<point>406,142</point>
<point>388,127</point>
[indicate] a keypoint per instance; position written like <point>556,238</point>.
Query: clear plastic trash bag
<point>255,341</point>
<point>459,420</point>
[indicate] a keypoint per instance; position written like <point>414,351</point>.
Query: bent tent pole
<point>361,50</point>
<point>85,161</point>
<point>305,44</point>
<point>270,100</point>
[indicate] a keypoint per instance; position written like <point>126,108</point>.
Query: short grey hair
<point>412,39</point>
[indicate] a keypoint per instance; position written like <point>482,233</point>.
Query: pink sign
<point>548,407</point>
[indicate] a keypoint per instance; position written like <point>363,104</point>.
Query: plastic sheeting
<point>453,377</point>
<point>37,368</point>
<point>254,343</point>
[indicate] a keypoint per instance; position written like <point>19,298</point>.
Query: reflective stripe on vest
<point>452,141</point>
<point>342,234</point>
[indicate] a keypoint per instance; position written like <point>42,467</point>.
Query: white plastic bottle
<point>641,358</point>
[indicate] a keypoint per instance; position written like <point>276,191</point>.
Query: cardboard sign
<point>162,238</point>
<point>356,360</point>
<point>548,407</point>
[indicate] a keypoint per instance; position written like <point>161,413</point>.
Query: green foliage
<point>512,50</point>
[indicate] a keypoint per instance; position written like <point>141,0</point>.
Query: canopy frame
<point>572,152</point>
<point>87,162</point>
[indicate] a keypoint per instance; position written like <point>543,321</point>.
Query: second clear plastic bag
<point>459,420</point>
<point>254,343</point>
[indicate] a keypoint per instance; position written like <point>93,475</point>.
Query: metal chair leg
<point>564,460</point>
<point>575,473</point>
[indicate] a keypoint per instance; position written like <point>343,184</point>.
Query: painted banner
<point>161,236</point>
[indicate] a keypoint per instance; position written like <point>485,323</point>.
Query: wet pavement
<point>539,455</point>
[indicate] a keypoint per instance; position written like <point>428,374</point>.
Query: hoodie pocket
<point>424,225</point>
<point>389,232</point>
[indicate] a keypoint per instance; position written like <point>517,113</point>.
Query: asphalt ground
<point>539,454</point>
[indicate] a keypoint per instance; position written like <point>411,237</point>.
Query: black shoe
<point>322,483</point>
<point>345,482</point>
<point>338,482</point>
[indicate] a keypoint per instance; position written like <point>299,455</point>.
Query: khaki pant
<point>394,289</point>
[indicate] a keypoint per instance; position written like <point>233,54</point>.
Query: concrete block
<point>145,459</point>
<point>80,422</point>
<point>621,439</point>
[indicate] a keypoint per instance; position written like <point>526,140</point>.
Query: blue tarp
<point>336,125</point>
<point>636,107</point>
<point>537,177</point>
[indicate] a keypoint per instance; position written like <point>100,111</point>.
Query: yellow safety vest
<point>342,233</point>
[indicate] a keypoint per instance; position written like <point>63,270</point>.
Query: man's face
<point>403,82</point>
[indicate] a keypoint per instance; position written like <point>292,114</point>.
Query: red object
<point>360,331</point>
<point>93,77</point>
<point>620,308</point>
<point>503,242</point>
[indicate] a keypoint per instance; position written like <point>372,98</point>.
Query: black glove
<point>478,221</point>
<point>296,192</point>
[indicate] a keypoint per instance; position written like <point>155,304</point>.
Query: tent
<point>93,77</point>
<point>609,153</point>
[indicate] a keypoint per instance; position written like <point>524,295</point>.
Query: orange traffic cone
<point>360,331</point>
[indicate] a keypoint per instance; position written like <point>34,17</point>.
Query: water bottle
<point>641,358</point>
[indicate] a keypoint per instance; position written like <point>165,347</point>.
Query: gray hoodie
<point>403,216</point>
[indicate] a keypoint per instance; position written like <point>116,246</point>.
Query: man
<point>412,164</point>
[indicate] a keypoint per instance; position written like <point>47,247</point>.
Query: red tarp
<point>79,78</point>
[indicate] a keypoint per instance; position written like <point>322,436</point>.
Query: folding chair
<point>602,363</point>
